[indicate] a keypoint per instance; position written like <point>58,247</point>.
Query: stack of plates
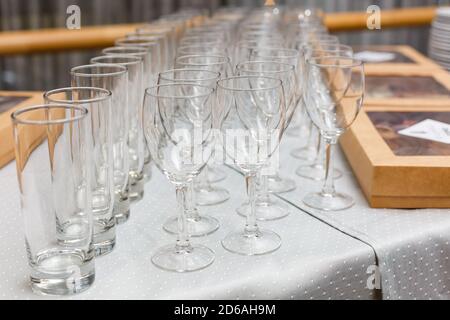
<point>439,46</point>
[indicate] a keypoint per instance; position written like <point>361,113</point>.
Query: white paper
<point>374,56</point>
<point>429,130</point>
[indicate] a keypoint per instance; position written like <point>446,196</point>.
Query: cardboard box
<point>394,170</point>
<point>412,86</point>
<point>403,55</point>
<point>9,102</point>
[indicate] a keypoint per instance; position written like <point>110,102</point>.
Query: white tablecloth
<point>323,256</point>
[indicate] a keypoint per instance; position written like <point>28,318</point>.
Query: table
<point>323,256</point>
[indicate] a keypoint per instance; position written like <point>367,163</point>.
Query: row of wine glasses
<point>190,97</point>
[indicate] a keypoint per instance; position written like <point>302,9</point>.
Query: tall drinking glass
<point>98,102</point>
<point>136,142</point>
<point>148,78</point>
<point>114,78</point>
<point>178,126</point>
<point>153,52</point>
<point>53,149</point>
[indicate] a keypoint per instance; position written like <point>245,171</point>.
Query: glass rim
<point>179,59</point>
<point>143,51</point>
<point>108,94</point>
<point>156,28</point>
<point>179,49</point>
<point>220,85</point>
<point>144,36</point>
<point>136,60</point>
<point>16,114</point>
<point>157,96</point>
<point>161,74</point>
<point>329,44</point>
<point>294,52</point>
<point>355,62</point>
<point>75,70</point>
<point>289,67</point>
<point>140,42</point>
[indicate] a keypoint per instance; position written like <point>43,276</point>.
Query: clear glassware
<point>268,207</point>
<point>200,50</point>
<point>153,52</point>
<point>251,117</point>
<point>316,170</point>
<point>148,76</point>
<point>163,43</point>
<point>169,30</point>
<point>198,225</point>
<point>178,126</point>
<point>53,148</point>
<point>216,63</point>
<point>98,102</point>
<point>114,78</point>
<point>277,184</point>
<point>333,96</point>
<point>136,142</point>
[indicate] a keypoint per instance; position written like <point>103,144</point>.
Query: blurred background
<point>45,71</point>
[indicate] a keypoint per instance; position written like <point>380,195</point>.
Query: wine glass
<point>217,63</point>
<point>316,170</point>
<point>333,97</point>
<point>267,206</point>
<point>251,115</point>
<point>278,184</point>
<point>198,225</point>
<point>178,126</point>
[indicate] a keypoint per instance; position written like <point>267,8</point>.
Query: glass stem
<point>263,192</point>
<point>320,157</point>
<point>192,212</point>
<point>183,243</point>
<point>203,180</point>
<point>251,227</point>
<point>328,188</point>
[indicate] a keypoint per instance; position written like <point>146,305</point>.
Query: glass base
<point>262,242</point>
<point>211,196</point>
<point>175,259</point>
<point>197,227</point>
<point>294,131</point>
<point>306,153</point>
<point>216,175</point>
<point>147,172</point>
<point>104,238</point>
<point>316,173</point>
<point>269,210</point>
<point>123,217</point>
<point>137,191</point>
<point>281,185</point>
<point>121,210</point>
<point>61,273</point>
<point>334,202</point>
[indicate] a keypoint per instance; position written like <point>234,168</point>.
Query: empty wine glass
<point>333,96</point>
<point>267,206</point>
<point>178,126</point>
<point>251,116</point>
<point>198,225</point>
<point>316,170</point>
<point>217,63</point>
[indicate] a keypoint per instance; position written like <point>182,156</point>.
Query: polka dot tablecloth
<point>412,246</point>
<point>323,256</point>
<point>316,261</point>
